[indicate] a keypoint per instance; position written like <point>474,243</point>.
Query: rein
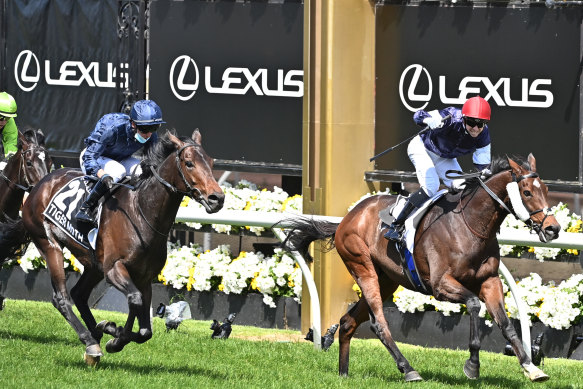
<point>529,222</point>
<point>21,168</point>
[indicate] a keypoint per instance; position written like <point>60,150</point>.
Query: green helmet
<point>7,105</point>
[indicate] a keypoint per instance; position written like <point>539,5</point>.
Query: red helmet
<point>476,107</point>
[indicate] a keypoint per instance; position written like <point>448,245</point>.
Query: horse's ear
<point>22,141</point>
<point>174,139</point>
<point>40,137</point>
<point>196,137</point>
<point>515,167</point>
<point>532,162</point>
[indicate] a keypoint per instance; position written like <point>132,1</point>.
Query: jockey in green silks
<point>8,128</point>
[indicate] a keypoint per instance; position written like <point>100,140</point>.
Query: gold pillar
<point>338,131</point>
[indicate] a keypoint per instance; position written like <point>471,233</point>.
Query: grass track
<point>38,349</point>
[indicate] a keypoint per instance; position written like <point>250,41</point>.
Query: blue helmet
<point>146,113</point>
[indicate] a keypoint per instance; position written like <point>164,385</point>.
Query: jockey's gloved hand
<point>458,184</point>
<point>485,173</point>
<point>434,120</point>
<point>2,165</point>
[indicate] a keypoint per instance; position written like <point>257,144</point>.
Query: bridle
<point>537,227</point>
<point>21,170</point>
<point>192,191</point>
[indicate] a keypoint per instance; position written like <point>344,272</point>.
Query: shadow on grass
<point>41,339</point>
<point>146,370</point>
<point>519,381</point>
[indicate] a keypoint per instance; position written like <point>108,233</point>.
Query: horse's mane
<point>498,165</point>
<point>159,151</point>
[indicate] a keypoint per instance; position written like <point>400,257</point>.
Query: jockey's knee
<point>431,190</point>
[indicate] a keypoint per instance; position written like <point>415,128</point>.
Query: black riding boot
<point>414,201</point>
<point>85,214</point>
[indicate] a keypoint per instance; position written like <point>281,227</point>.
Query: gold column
<point>338,131</point>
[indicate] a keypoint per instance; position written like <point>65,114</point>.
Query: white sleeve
<point>482,156</point>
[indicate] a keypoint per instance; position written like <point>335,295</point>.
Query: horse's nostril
<point>216,198</point>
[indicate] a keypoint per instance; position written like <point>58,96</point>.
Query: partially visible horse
<point>22,171</point>
<point>131,243</point>
<point>456,253</point>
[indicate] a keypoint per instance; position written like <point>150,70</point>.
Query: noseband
<point>192,192</point>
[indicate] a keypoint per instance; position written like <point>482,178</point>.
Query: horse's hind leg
<point>356,257</point>
<point>80,294</point>
<point>493,296</point>
<point>61,300</point>
<point>120,278</point>
<point>358,314</point>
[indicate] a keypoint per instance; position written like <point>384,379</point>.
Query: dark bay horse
<point>131,244</point>
<point>23,170</point>
<point>456,252</point>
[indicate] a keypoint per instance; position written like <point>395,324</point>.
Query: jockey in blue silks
<point>109,149</point>
<point>434,151</point>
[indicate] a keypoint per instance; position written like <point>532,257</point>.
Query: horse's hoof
<point>91,360</point>
<point>112,346</point>
<point>413,376</point>
<point>534,373</point>
<point>94,350</point>
<point>472,370</point>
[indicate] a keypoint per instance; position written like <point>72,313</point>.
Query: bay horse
<point>23,170</point>
<point>456,252</point>
<point>131,242</point>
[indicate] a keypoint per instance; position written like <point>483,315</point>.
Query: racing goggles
<point>472,122</point>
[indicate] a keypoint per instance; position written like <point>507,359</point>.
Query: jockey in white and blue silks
<point>434,151</point>
<point>110,146</point>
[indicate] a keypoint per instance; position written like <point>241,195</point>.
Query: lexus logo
<point>27,73</point>
<point>415,85</point>
<point>416,89</point>
<point>187,67</point>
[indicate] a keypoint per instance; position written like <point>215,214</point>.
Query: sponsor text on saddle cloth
<point>65,204</point>
<point>411,224</point>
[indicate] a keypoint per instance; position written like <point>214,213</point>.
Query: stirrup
<point>394,233</point>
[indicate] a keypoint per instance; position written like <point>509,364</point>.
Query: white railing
<point>269,219</point>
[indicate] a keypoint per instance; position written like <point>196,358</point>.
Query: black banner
<point>525,61</point>
<point>234,70</point>
<point>68,63</point>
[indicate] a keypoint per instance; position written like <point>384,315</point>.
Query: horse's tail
<point>303,231</point>
<point>13,239</point>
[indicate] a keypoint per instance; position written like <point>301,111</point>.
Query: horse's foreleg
<point>450,289</point>
<point>120,278</point>
<point>493,296</point>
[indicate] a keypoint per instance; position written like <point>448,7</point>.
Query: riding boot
<point>85,214</point>
<point>414,201</point>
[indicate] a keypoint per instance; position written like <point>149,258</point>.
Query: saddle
<point>406,246</point>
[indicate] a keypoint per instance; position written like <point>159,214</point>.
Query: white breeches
<point>116,169</point>
<point>430,167</point>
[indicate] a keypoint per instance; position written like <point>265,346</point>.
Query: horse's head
<point>195,168</point>
<point>33,160</point>
<point>528,196</point>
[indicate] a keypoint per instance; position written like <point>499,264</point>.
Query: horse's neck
<point>482,211</point>
<point>10,195</point>
<point>157,203</point>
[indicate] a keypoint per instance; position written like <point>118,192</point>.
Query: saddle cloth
<point>406,248</point>
<point>63,207</point>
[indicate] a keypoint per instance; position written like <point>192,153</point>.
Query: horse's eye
<point>527,193</point>
<point>189,164</point>
<point>28,163</point>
